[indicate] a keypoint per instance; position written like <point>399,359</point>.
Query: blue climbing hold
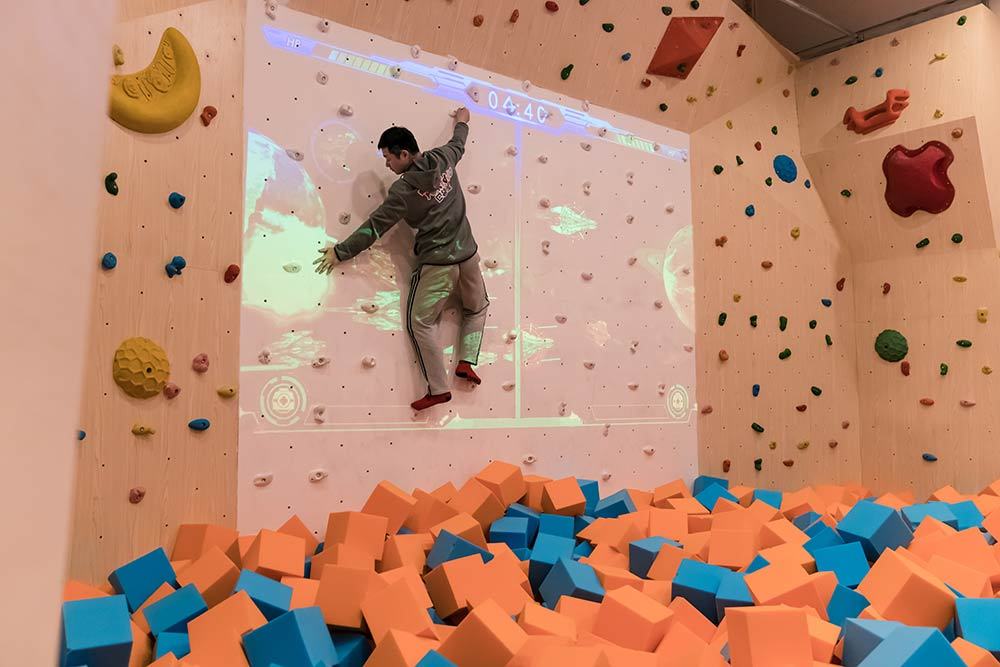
<point>785,168</point>
<point>929,457</point>
<point>626,56</point>
<point>879,71</point>
<point>808,184</point>
<point>756,390</point>
<point>826,302</point>
<point>81,434</point>
<point>750,210</point>
<point>175,266</point>
<point>176,200</point>
<point>199,424</point>
<point>109,261</point>
<point>179,262</point>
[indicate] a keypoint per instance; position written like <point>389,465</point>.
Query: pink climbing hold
<point>232,273</point>
<point>136,494</point>
<point>170,390</point>
<point>200,363</point>
<point>723,355</point>
<point>917,180</point>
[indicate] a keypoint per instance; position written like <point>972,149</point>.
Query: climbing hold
<point>587,275</point>
<point>917,180</point>
<point>645,83</point>
<point>755,390</point>
<point>840,284</point>
<point>632,260</point>
<point>795,232</point>
<point>317,475</point>
<point>982,314</point>
<point>175,266</point>
<point>298,156</point>
<point>81,434</point>
<point>608,27</point>
<point>511,150</point>
<point>758,145</point>
<point>894,42</point>
<point>452,63</point>
<point>802,407</point>
<point>415,51</point>
<point>774,128</point>
<point>669,208</point>
<point>561,319</point>
<point>767,264</point>
<point>545,247</point>
<point>881,115</point>
<point>368,362</point>
<point>757,463</point>
<point>663,106</point>
<point>772,445</point>
<point>626,56</point>
<point>566,71</point>
<point>957,133</point>
<point>264,357</point>
<point>682,45</point>
<point>722,319</point>
<point>514,16</point>
<point>967,403</point>
<point>695,4</point>
<point>736,297</point>
<point>586,188</point>
<point>757,427</point>
<point>782,322</point>
<point>785,168</point>
<point>753,321</point>
<point>927,401</point>
<point>710,91</point>
<point>723,355</point>
<point>170,390</point>
<point>323,25</point>
<point>760,79</point>
<point>232,273</point>
<point>320,362</point>
<point>717,169</point>
<point>891,345</point>
<point>474,189</point>
<point>929,457</point>
<point>176,200</point>
<point>938,113</point>
<point>661,389</point>
<point>832,444</point>
<point>786,92</point>
<point>545,202</point>
<point>879,72</point>
<point>963,342</point>
<point>739,50</point>
<point>209,113</point>
<point>956,238</point>
<point>944,369</point>
<point>199,424</point>
<point>845,193</point>
<point>750,210</point>
<point>346,110</point>
<point>802,445</point>
<point>200,363</point>
<point>739,161</point>
<point>814,92</point>
<point>143,430</point>
<point>959,279</point>
<point>807,183</point>
<point>585,145</point>
<point>161,96</point>
<point>721,241</point>
<point>667,11</point>
<point>140,367</point>
<point>826,302</point>
<point>986,370</point>
<point>648,451</point>
<point>111,184</point>
<point>816,391</point>
<point>552,6</point>
<point>263,480</point>
<point>226,391</point>
<point>507,386</point>
<point>322,78</point>
<point>271,9</point>
<point>923,243</point>
<point>940,55</point>
<point>477,20</point>
<point>117,55</point>
<point>633,385</point>
<point>904,368</point>
<point>658,303</point>
<point>812,324</point>
<point>292,267</point>
<point>768,182</point>
<point>136,494</point>
<point>726,465</point>
<point>788,463</point>
<point>784,354</point>
<point>829,341</point>
<point>109,261</point>
<point>851,80</point>
<point>886,287</point>
<point>962,19</point>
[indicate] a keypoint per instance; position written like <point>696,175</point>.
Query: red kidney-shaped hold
<point>917,180</point>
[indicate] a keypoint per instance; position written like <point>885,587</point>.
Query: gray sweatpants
<point>430,288</point>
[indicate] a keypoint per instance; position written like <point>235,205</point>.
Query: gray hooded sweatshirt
<point>429,198</point>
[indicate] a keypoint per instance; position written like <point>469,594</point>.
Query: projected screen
<point>582,217</point>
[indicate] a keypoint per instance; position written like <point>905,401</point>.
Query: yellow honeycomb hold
<point>140,367</point>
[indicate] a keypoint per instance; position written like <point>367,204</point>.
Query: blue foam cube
<point>978,621</point>
<point>913,647</point>
<point>582,550</point>
<point>353,649</point>
<point>823,538</point>
<point>847,561</point>
<point>876,527</point>
<point>711,495</point>
<point>554,524</point>
<point>273,598</point>
<point>862,636</point>
<point>177,643</point>
<point>580,522</point>
<point>573,579</point>
<point>615,505</point>
<point>449,546</point>
<point>845,603</point>
<point>307,567</point>
<point>814,529</point>
<point>733,592</point>
<point>512,531</point>
<point>702,482</point>
<point>642,553</point>
<point>97,631</point>
<point>592,492</point>
<point>914,514</point>
<point>547,551</point>
<point>517,510</point>
<point>140,578</point>
<point>172,613</point>
<point>435,659</point>
<point>772,498</point>
<point>522,554</point>
<point>758,563</point>
<point>967,514</point>
<point>298,638</point>
<point>698,583</point>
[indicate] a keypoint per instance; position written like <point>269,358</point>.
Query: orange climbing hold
<point>682,44</point>
<point>879,116</point>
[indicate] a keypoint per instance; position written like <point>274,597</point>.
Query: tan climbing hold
<point>117,55</point>
<point>658,303</point>
<point>760,79</point>
<point>322,78</point>
<point>345,218</point>
<point>323,25</point>
<point>688,347</point>
<point>200,363</point>
<point>528,459</point>
<point>772,445</point>
<point>142,430</point>
<point>940,55</point>
<point>691,99</point>
<point>415,51</point>
<point>845,424</point>
<point>319,413</point>
<point>589,365</point>
<point>543,158</point>
<point>737,297</point>
<point>633,385</point>
<point>670,208</point>
<point>795,232</point>
<point>661,388</point>
<point>965,403</point>
<point>170,390</point>
<point>729,124</point>
<point>226,391</point>
<point>264,357</point>
<point>346,110</point>
<point>605,476</point>
<point>320,362</point>
<point>318,475</point>
<point>648,451</point>
<point>563,409</point>
<point>586,188</point>
<point>474,189</point>
<point>510,336</point>
<point>511,150</point>
<point>263,480</point>
<point>957,133</point>
<point>982,314</point>
<point>585,145</point>
<point>368,362</point>
<point>545,247</point>
<point>938,113</point>
<point>632,260</point>
<point>832,444</point>
<point>561,319</point>
<point>491,263</point>
<point>587,275</point>
<point>959,279</point>
<point>507,386</point>
<point>927,401</point>
<point>803,445</point>
<point>545,202</point>
<point>987,370</point>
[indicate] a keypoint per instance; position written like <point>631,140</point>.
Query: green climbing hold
<point>891,345</point>
<point>944,369</point>
<point>757,463</point>
<point>663,106</point>
<point>962,19</point>
<point>753,321</point>
<point>717,169</point>
<point>782,322</point>
<point>956,238</point>
<point>816,391</point>
<point>608,27</point>
<point>814,92</point>
<point>111,184</point>
<point>774,130</point>
<point>739,161</point>
<point>768,182</point>
<point>923,243</point>
<point>695,4</point>
<point>963,343</point>
<point>583,2</point>
<point>845,193</point>
<point>851,80</point>
<point>722,319</point>
<point>812,324</point>
<point>566,71</point>
<point>829,341</point>
<point>667,10</point>
<point>757,427</point>
<point>784,354</point>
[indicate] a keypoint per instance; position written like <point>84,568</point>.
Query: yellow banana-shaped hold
<point>142,429</point>
<point>163,95</point>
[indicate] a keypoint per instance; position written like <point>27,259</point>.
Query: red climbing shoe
<point>464,371</point>
<point>430,400</point>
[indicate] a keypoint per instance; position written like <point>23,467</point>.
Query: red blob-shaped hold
<point>886,287</point>
<point>721,241</point>
<point>552,6</point>
<point>904,368</point>
<point>477,20</point>
<point>801,408</point>
<point>726,464</point>
<point>232,273</point>
<point>739,51</point>
<point>880,115</point>
<point>208,114</point>
<point>757,145</point>
<point>840,284</point>
<point>682,44</point>
<point>514,16</point>
<point>917,180</point>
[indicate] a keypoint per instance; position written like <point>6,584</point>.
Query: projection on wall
<point>583,222</point>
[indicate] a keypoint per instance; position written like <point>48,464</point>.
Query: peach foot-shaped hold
<point>881,115</point>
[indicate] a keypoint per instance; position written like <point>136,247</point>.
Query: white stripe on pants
<point>430,288</point>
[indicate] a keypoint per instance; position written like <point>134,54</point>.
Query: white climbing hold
<point>346,110</point>
<point>525,85</point>
<point>585,105</point>
<point>473,93</point>
<point>629,219</point>
<point>395,71</point>
<point>543,158</point>
<point>415,51</point>
<point>561,319</point>
<point>605,476</point>
<point>634,346</point>
<point>656,147</point>
<point>585,145</point>
<point>322,77</point>
<point>966,403</point>
<point>369,307</point>
<point>632,260</point>
<point>271,9</point>
<point>345,218</point>
<point>368,362</point>
<point>684,156</point>
<point>587,275</point>
<point>630,178</point>
<point>510,336</point>
<point>263,480</point>
<point>607,430</point>
<point>319,362</point>
<point>545,247</point>
<point>688,348</point>
<point>586,188</point>
<point>319,413</point>
<point>317,475</point>
<point>452,63</point>
<point>648,451</point>
<point>264,357</point>
<point>528,459</point>
<point>589,365</point>
<point>474,189</point>
<point>545,202</point>
<point>323,25</point>
<point>563,409</point>
<point>658,303</point>
<point>661,388</point>
<point>633,385</point>
<point>491,263</point>
<point>298,156</point>
<point>508,385</point>
<point>670,208</point>
<point>602,131</point>
<point>512,150</point>
<point>292,267</point>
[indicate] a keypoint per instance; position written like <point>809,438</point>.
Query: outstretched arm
<point>455,148</point>
<point>382,219</point>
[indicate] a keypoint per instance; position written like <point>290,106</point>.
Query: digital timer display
<point>522,108</point>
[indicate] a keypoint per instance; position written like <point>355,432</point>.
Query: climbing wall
<point>926,418</point>
<point>583,221</point>
<point>186,475</point>
<point>776,362</point>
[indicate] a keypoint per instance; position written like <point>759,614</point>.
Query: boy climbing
<point>429,198</point>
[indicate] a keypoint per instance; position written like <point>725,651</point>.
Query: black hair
<point>397,140</point>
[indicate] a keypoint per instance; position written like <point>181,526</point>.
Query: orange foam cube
<point>504,583</point>
<point>680,645</point>
<point>450,583</point>
<point>390,501</point>
<point>696,545</point>
<point>538,647</point>
<point>294,526</point>
<point>216,635</point>
<point>700,523</point>
<point>688,505</point>
<point>823,637</point>
<point>657,590</point>
<point>534,484</point>
<point>427,511</point>
<point>789,553</point>
<point>743,494</point>
<point>395,607</point>
<point>641,499</point>
<point>583,612</point>
<point>631,620</point>
<point>799,502</point>
<point>686,614</point>
<point>194,539</point>
<point>275,555</point>
<point>666,563</point>
<point>612,578</point>
<point>213,574</point>
<point>364,532</point>
<point>303,591</point>
<point>563,496</point>
<point>445,492</point>
<point>487,637</point>
<point>413,580</point>
<point>504,480</point>
<point>784,583</point>
<point>399,648</point>
<point>968,581</point>
<point>342,590</point>
<point>761,513</point>
<point>476,499</point>
<point>142,647</point>
<point>947,494</point>
<point>973,655</point>
<point>168,660</point>
<point>464,525</point>
<point>238,550</point>
<point>631,534</point>
<point>733,549</point>
<point>535,619</point>
<point>900,590</point>
<point>666,492</point>
<point>406,550</point>
<point>78,590</point>
<point>340,554</point>
<point>669,523</point>
<point>768,636</point>
<point>781,531</point>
